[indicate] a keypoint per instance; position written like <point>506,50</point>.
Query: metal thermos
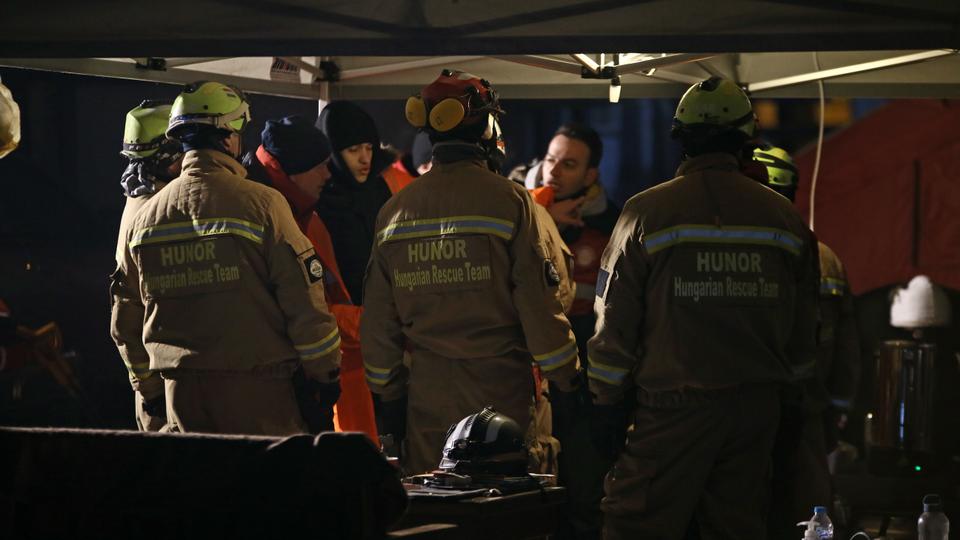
<point>903,411</point>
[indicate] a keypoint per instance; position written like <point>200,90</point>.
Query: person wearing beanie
<point>293,158</point>
<point>356,190</point>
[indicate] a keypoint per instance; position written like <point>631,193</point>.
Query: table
<point>532,514</point>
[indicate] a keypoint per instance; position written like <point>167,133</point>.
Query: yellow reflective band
<point>711,234</point>
<point>319,349</point>
<point>420,228</point>
<point>198,228</point>
<point>606,373</point>
<point>376,375</point>
<point>832,286</point>
<point>141,369</point>
<point>557,358</point>
<point>378,382</point>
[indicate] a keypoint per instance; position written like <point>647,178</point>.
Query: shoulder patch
<point>602,277</point>
<point>313,268</point>
<point>551,273</point>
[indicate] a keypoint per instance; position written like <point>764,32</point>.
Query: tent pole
<point>821,75</point>
<point>397,67</point>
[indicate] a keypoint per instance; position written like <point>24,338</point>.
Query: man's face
<point>565,167</point>
<point>358,158</point>
<point>311,182</point>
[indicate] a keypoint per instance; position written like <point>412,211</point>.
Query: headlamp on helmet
<point>485,443</point>
<point>208,103</point>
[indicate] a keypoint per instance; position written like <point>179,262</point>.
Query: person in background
<point>810,419</point>
<point>356,190</point>
<point>577,203</point>
<point>218,289</point>
<point>293,158</point>
<point>154,160</point>
<point>706,304</point>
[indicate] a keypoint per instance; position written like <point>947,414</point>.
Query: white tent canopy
<point>533,49</point>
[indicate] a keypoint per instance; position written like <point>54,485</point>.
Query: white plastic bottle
<point>933,524</point>
<point>823,527</point>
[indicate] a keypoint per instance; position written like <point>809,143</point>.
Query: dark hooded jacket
<point>347,207</point>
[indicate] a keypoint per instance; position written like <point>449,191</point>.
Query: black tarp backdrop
<point>60,204</point>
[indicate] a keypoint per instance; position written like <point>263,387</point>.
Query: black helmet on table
<point>485,443</point>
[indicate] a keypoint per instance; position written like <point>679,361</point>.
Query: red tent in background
<point>888,194</point>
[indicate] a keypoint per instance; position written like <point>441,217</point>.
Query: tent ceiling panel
<point>556,76</point>
<point>233,28</point>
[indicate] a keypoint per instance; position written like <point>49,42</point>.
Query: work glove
<point>392,419</point>
<point>156,407</point>
<point>151,413</point>
<point>608,429</point>
<point>316,401</point>
<point>572,402</point>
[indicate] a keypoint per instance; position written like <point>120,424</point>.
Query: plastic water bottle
<point>933,524</point>
<point>823,527</point>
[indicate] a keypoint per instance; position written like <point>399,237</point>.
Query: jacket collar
<point>212,159</point>
<point>717,160</point>
<point>300,201</point>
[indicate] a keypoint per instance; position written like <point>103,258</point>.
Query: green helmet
<point>145,129</point>
<point>207,103</point>
<point>781,170</point>
<point>715,103</point>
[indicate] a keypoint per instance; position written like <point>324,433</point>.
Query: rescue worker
<point>585,216</point>
<point>811,419</point>
<point>293,158</point>
<point>463,275</point>
<point>154,160</point>
<point>219,290</point>
<point>706,303</point>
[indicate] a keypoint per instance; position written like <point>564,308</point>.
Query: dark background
<point>60,205</point>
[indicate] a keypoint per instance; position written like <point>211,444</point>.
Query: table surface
<point>531,514</point>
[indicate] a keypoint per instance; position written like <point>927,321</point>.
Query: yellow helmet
<point>781,170</point>
<point>715,103</point>
<point>209,103</point>
<point>145,129</point>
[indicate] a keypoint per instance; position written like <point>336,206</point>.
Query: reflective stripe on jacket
<point>709,281</point>
<point>217,276</point>
<point>462,266</point>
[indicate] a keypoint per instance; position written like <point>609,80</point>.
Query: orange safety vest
<point>354,409</point>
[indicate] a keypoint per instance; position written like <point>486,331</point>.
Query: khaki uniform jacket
<point>838,352</point>
<point>143,382</point>
<point>709,281</point>
<point>217,276</point>
<point>464,268</point>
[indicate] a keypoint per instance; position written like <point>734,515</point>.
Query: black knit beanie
<point>296,143</point>
<point>346,124</point>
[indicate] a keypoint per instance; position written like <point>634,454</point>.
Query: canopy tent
<point>880,48</point>
<point>887,196</point>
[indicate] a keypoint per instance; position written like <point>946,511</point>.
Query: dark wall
<point>60,204</point>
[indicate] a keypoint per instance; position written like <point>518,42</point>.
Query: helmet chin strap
<point>493,145</point>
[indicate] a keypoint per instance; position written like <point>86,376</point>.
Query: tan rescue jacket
<point>838,353</point>
<point>149,387</point>
<point>217,276</point>
<point>709,281</point>
<point>464,267</point>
